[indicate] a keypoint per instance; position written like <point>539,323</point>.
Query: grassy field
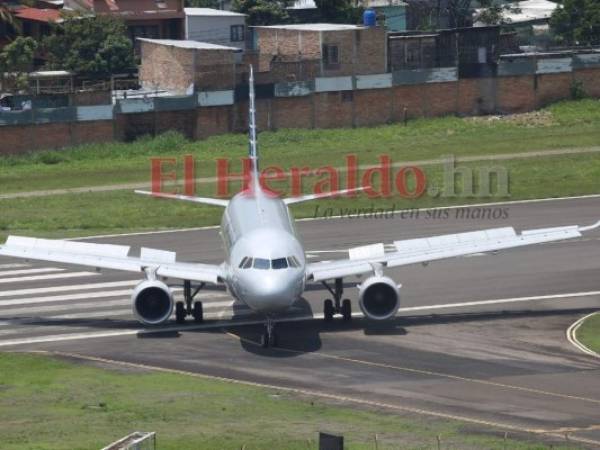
<point>52,404</point>
<point>562,126</point>
<point>589,333</point>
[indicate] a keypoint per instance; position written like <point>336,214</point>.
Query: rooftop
<point>315,27</point>
<point>211,12</point>
<point>189,44</point>
<point>38,15</point>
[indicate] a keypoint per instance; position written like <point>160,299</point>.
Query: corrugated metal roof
<point>189,44</point>
<point>211,12</point>
<point>315,27</point>
<point>38,15</point>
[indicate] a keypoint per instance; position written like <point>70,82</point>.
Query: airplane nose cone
<point>270,294</point>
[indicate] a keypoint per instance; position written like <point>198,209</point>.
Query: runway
<point>479,338</point>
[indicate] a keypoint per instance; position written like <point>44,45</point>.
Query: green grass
<point>568,125</point>
<point>119,211</point>
<point>52,404</point>
<point>564,125</point>
<point>589,333</point>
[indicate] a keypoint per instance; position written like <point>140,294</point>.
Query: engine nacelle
<point>379,298</point>
<point>152,302</point>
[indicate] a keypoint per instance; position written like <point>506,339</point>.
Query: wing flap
<point>108,256</point>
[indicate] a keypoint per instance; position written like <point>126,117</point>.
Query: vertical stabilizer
<point>253,146</point>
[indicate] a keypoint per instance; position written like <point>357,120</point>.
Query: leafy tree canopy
<point>577,22</point>
<point>263,12</point>
<point>90,45</point>
<point>338,11</point>
<point>203,3</point>
<point>15,60</point>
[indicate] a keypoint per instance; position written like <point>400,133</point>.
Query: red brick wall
<point>552,87</point>
<point>590,79</point>
<point>440,98</point>
<point>408,97</point>
<point>333,109</point>
<point>516,94</point>
<point>213,120</point>
<point>372,107</point>
<point>292,112</point>
<point>28,138</point>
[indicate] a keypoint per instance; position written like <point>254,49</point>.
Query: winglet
<point>187,198</point>
<point>590,227</point>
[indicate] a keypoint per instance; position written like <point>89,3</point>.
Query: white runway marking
<point>62,298</point>
<point>71,287</point>
<point>502,300</point>
<point>572,336</point>
<point>228,323</point>
<point>7,273</point>
<point>13,266</point>
<point>48,277</point>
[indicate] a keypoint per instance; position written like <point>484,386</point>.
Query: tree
<point>340,11</point>
<point>215,4</point>
<point>16,60</point>
<point>577,22</point>
<point>493,12</point>
<point>263,12</point>
<point>96,46</point>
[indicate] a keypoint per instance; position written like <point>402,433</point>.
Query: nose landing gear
<point>269,337</point>
<point>343,307</point>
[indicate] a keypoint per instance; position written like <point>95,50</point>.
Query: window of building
<point>237,33</point>
<point>331,55</point>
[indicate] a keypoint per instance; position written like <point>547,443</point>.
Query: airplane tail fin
<point>252,144</point>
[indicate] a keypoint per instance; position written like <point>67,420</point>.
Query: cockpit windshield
<point>265,264</point>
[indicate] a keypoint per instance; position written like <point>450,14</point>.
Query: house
<point>390,13</point>
<point>215,26</point>
<point>184,66</point>
<point>332,49</point>
<point>157,19</point>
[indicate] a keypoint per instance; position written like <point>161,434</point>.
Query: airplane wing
<point>108,256</point>
<point>368,259</point>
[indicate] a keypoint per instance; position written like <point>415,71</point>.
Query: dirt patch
<point>529,119</point>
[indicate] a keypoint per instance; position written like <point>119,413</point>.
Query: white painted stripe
<point>67,288</point>
<point>48,277</point>
<point>89,295</point>
<point>62,298</point>
<point>13,266</point>
<point>572,336</point>
<point>310,219</point>
<point>229,323</point>
<point>502,300</point>
<point>6,273</point>
<point>88,305</point>
<point>128,312</point>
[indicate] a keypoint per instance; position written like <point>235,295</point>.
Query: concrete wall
<point>345,101</point>
<point>214,29</point>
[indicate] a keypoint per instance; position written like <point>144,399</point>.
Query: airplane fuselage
<point>264,257</point>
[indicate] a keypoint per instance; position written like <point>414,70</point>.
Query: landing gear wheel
<point>198,312</point>
<point>328,310</point>
<point>264,340</point>
<point>347,310</point>
<point>180,312</point>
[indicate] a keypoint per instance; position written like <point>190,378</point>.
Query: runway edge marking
<point>319,394</point>
<point>572,336</point>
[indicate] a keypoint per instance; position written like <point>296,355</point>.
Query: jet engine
<point>379,297</point>
<point>152,302</point>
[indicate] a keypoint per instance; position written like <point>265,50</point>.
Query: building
<point>157,19</point>
<point>332,49</point>
<point>183,66</point>
<point>215,26</point>
<point>390,13</point>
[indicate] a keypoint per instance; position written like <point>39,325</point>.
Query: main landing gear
<point>337,306</point>
<point>269,337</point>
<point>188,307</point>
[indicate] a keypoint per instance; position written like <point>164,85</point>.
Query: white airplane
<point>265,265</point>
